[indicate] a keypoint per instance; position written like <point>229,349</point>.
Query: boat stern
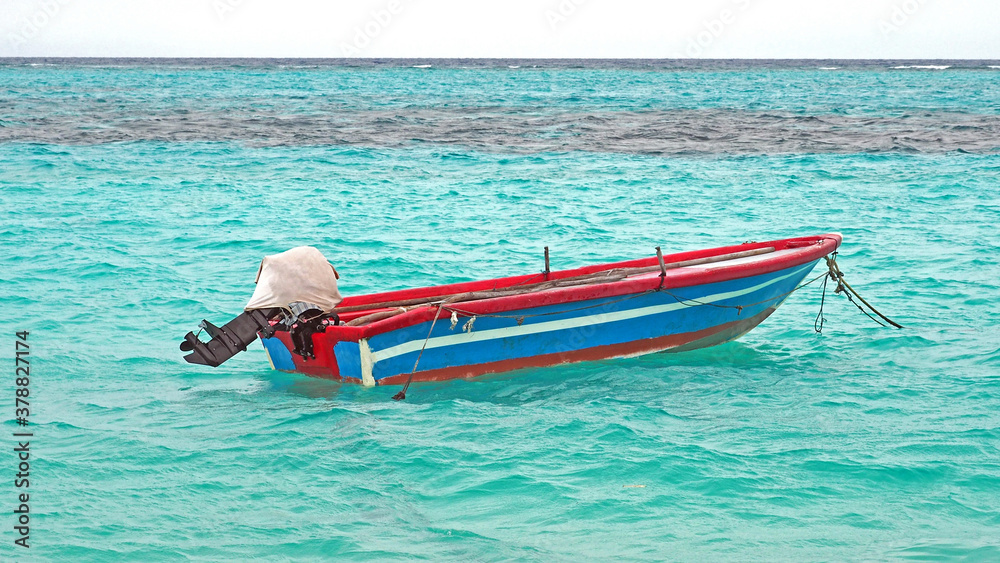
<point>336,358</point>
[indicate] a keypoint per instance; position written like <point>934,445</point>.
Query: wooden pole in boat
<point>546,272</point>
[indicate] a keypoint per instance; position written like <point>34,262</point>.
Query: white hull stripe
<point>563,324</point>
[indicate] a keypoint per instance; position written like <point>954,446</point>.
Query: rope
<point>682,300</point>
<point>402,394</point>
<point>739,308</point>
<point>847,290</point>
<point>860,308</point>
<point>820,319</point>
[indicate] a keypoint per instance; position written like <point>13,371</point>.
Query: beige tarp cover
<point>299,274</point>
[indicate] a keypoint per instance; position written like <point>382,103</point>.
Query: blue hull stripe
<point>577,322</point>
<point>607,321</point>
<point>280,356</point>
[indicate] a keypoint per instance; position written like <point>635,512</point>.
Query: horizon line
<point>686,59</point>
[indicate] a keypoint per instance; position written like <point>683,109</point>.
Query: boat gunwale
<point>805,249</point>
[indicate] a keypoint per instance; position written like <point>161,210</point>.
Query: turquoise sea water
<point>138,199</point>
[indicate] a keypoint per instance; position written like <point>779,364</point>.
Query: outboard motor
<point>230,339</point>
<point>297,285</point>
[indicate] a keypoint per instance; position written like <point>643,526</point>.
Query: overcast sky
<point>511,28</point>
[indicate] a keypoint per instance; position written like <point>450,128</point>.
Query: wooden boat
<point>674,303</point>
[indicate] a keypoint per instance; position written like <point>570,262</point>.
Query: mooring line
<point>402,394</point>
<point>739,308</point>
<point>847,290</point>
<point>820,319</point>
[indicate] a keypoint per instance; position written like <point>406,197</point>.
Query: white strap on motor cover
<point>299,274</point>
